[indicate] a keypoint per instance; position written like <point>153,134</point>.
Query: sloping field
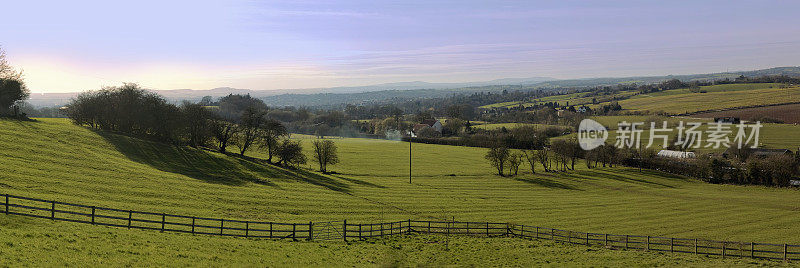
<point>789,113</point>
<point>682,101</point>
<point>24,241</point>
<point>53,159</point>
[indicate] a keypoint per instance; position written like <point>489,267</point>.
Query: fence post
<point>221,225</point>
<point>130,218</point>
<point>429,227</point>
<point>247,229</point>
<point>6,204</point>
<point>391,228</point>
<point>344,230</point>
<point>695,246</point>
<point>270,229</point>
<point>487,228</point>
<point>522,230</point>
<point>360,236</point>
<point>409,226</point>
<point>553,234</point>
<point>605,240</point>
<point>163,220</point>
<point>467,227</point>
<point>587,239</point>
<point>193,219</point>
<point>626,241</point>
<point>569,237</point>
<point>648,243</point>
<point>508,229</point>
<point>294,231</point>
<point>381,229</point>
<point>785,251</point>
<point>537,232</point>
<point>723,249</point>
<point>92,214</point>
<point>53,210</point>
<point>310,230</point>
<point>672,244</point>
<point>752,250</point>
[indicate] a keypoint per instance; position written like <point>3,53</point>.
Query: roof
<point>675,154</point>
<point>430,122</point>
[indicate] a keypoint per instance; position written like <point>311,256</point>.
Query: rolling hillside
<point>54,159</point>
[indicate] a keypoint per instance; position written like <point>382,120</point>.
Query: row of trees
<point>238,120</point>
<point>561,155</point>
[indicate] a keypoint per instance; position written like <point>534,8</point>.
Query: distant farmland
<point>789,113</point>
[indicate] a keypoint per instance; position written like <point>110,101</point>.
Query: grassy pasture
<point>680,101</point>
<point>53,159</point>
<point>24,240</point>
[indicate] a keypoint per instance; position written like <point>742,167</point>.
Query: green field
<point>53,159</point>
<point>681,101</point>
<point>25,240</point>
<point>582,98</point>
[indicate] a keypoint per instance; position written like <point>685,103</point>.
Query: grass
<point>24,240</point>
<point>53,159</point>
<point>680,101</point>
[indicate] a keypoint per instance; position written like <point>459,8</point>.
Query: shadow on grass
<point>548,183</point>
<point>230,169</point>
<point>629,178</point>
<point>357,181</point>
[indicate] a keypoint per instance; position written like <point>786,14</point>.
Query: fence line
<point>55,210</point>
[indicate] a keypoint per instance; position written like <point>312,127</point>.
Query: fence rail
<point>61,211</point>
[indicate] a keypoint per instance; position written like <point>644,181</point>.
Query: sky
<point>68,46</point>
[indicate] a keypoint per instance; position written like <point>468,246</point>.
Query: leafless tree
<point>325,154</point>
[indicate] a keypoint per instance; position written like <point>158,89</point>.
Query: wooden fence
<point>55,210</point>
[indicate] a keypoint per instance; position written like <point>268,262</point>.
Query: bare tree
<point>514,161</point>
<point>544,158</point>
<point>222,131</point>
<point>325,154</point>
<point>272,131</point>
<point>498,156</point>
<point>249,128</point>
<point>291,153</point>
<point>530,157</point>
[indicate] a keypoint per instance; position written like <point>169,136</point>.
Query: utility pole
<point>409,159</point>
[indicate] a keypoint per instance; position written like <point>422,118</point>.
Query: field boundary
<point>62,211</point>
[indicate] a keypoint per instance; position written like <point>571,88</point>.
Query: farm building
<point>434,124</point>
<point>675,154</point>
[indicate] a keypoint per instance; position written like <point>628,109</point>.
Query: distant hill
<point>415,89</point>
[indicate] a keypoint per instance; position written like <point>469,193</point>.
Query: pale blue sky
<point>81,45</point>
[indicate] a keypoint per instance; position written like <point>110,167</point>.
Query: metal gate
<point>331,230</point>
